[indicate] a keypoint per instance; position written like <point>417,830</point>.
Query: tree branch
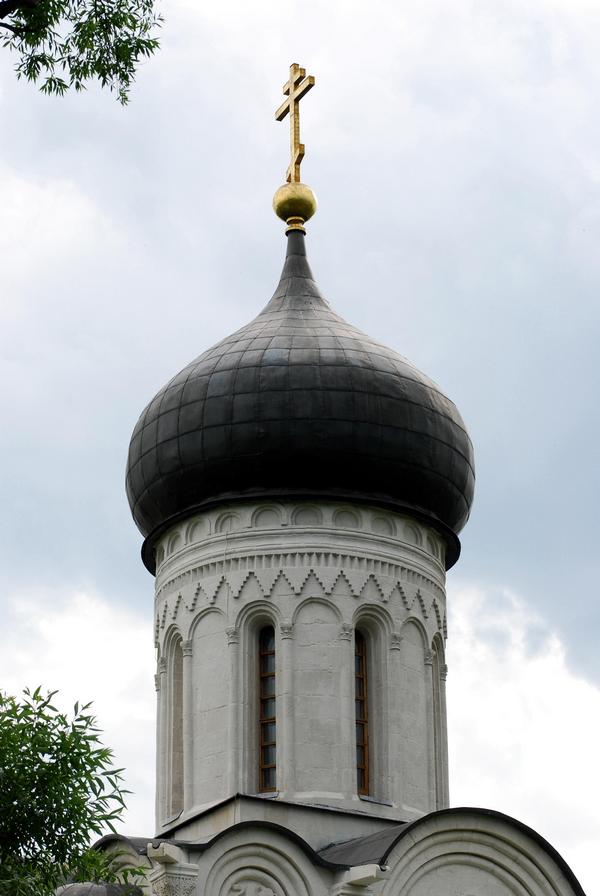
<point>7,7</point>
<point>11,28</point>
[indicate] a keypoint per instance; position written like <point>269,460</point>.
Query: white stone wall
<point>315,572</point>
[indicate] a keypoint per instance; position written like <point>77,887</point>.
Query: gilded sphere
<point>294,201</point>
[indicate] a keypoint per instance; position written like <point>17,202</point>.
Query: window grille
<point>267,711</point>
<point>362,713</point>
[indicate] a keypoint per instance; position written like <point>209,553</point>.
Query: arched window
<point>267,716</point>
<point>439,747</point>
<point>361,691</point>
<point>176,769</point>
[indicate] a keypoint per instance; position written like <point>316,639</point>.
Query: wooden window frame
<point>361,709</point>
<point>266,770</point>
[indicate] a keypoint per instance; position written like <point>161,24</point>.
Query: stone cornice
<point>328,526</point>
<point>296,566</point>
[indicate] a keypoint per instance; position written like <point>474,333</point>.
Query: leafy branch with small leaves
<point>65,43</point>
<point>58,788</point>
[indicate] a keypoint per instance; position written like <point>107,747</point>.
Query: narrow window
<point>437,732</point>
<point>176,801</point>
<point>362,713</point>
<point>266,643</point>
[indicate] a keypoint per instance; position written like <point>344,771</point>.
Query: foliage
<point>57,789</point>
<point>64,43</point>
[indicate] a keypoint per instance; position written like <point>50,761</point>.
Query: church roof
<point>376,848</point>
<point>299,403</point>
<point>364,850</point>
<point>465,823</point>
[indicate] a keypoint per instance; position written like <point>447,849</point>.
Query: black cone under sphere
<point>300,403</point>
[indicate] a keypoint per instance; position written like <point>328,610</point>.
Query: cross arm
<point>294,97</point>
<point>282,111</point>
<point>304,87</point>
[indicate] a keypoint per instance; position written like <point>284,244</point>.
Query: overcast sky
<point>455,152</point>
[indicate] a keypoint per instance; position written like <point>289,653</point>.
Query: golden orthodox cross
<point>297,86</point>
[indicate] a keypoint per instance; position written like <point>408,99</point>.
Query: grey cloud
<point>455,166</point>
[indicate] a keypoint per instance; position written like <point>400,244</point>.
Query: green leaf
<point>85,40</point>
<point>56,784</point>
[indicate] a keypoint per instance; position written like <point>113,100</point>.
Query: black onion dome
<point>299,403</point>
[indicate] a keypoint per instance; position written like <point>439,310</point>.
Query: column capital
<point>346,631</point>
<point>286,629</point>
<point>428,658</point>
<point>161,666</point>
<point>444,672</point>
<point>187,647</point>
<point>395,640</point>
<point>233,634</point>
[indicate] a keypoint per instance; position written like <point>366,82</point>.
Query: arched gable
<point>481,851</point>
<point>254,855</point>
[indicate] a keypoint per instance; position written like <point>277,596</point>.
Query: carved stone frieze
<point>414,604</point>
<point>296,566</point>
<point>251,888</point>
<point>252,883</point>
<point>177,883</point>
<point>419,598</point>
<point>351,890</point>
<point>177,605</point>
<point>438,616</point>
<point>387,529</point>
<point>362,579</point>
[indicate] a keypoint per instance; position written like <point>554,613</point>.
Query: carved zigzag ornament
<point>296,567</point>
<point>273,584</point>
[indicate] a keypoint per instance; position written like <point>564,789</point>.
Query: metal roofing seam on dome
<point>424,431</point>
<point>414,465</point>
<point>356,389</point>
